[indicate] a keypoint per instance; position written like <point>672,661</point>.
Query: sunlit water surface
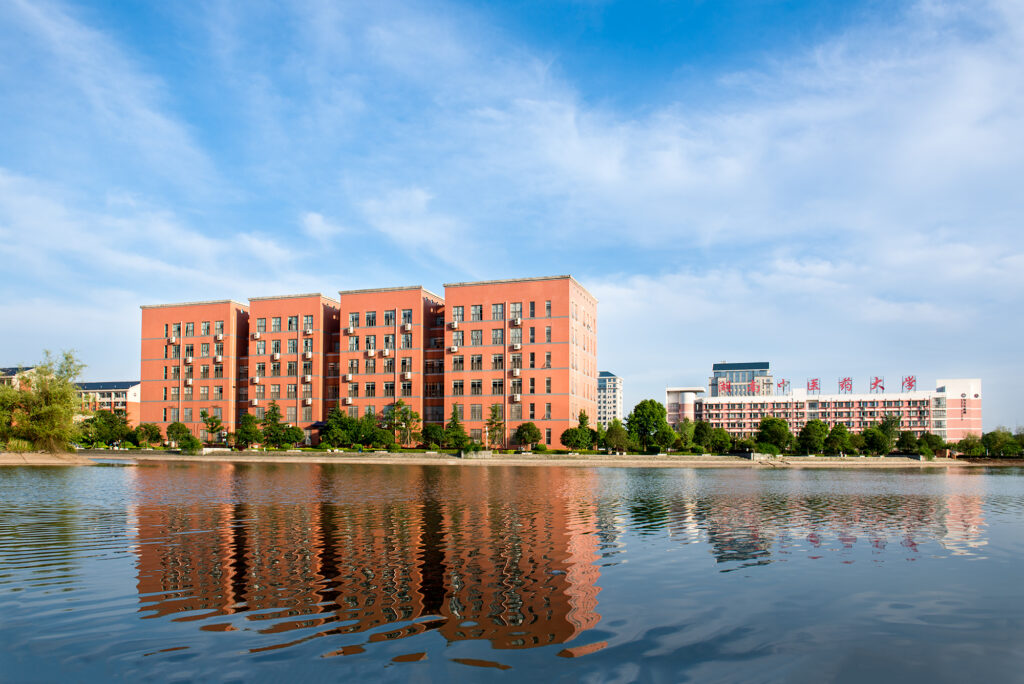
<point>323,573</point>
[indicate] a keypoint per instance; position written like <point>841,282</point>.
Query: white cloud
<point>320,229</point>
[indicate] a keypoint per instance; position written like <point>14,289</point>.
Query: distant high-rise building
<point>609,398</point>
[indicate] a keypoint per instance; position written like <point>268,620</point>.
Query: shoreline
<point>587,461</point>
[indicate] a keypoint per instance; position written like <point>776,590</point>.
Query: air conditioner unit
<point>218,359</point>
<point>307,355</point>
<point>276,356</point>
<point>348,401</point>
<point>307,401</point>
<point>517,321</point>
<point>188,381</point>
<point>407,376</point>
<point>516,398</point>
<point>516,372</point>
<point>219,337</point>
<point>407,327</point>
<point>454,325</point>
<point>371,352</point>
<point>307,378</point>
<point>255,379</point>
<point>517,346</point>
<point>308,331</point>
<point>172,339</point>
<point>256,336</point>
<point>453,349</point>
<point>188,359</point>
<point>255,402</point>
<point>350,330</point>
<point>385,352</point>
<point>348,377</point>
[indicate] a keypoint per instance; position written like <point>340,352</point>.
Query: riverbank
<point>583,460</point>
<point>39,459</point>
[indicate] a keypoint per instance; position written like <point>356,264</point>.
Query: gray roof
<point>749,365</point>
<point>15,370</point>
<point>112,385</point>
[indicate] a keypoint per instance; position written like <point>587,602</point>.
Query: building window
<point>353,365</point>
<point>371,342</point>
<point>497,386</point>
<point>406,315</point>
<point>275,324</point>
<point>406,389</point>
<point>389,341</point>
<point>457,338</point>
<point>515,412</point>
<point>261,347</point>
<point>292,391</point>
<point>458,410</point>
<point>187,414</point>
<point>389,366</point>
<point>532,412</point>
<point>457,388</point>
<point>458,313</point>
<point>476,337</point>
<point>497,312</point>
<point>517,386</point>
<point>353,319</point>
<point>218,328</point>
<point>307,344</point>
<point>389,318</point>
<point>371,319</point>
<point>406,340</point>
<point>498,336</point>
<point>218,371</point>
<point>307,322</point>
<point>204,327</point>
<point>547,411</point>
<point>497,362</point>
<point>457,363</point>
<point>547,333</point>
<point>547,310</point>
<point>275,391</point>
<point>547,385</point>
<point>353,389</point>
<point>476,387</point>
<point>476,312</point>
<point>218,392</point>
<point>290,414</point>
<point>389,389</point>
<point>370,366</point>
<point>476,412</point>
<point>293,345</point>
<point>547,435</point>
<point>476,362</point>
<point>371,389</point>
<point>307,416</point>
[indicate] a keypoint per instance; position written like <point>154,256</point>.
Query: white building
<point>609,398</point>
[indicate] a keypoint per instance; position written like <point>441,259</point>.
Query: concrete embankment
<point>38,459</point>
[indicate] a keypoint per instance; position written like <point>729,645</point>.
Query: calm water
<point>220,572</point>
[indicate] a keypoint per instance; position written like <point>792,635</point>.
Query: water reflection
<point>512,556</point>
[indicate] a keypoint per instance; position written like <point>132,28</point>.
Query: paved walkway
<point>37,459</point>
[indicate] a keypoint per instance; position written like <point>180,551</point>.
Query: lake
<point>221,572</point>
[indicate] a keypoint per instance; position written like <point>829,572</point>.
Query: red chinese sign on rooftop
<point>910,383</point>
<point>845,385</point>
<point>814,385</point>
<point>877,384</point>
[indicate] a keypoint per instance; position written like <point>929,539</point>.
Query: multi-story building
<point>609,398</point>
<point>121,397</point>
<point>391,349</point>
<point>292,341</point>
<point>13,375</point>
<point>680,403</point>
<point>526,346</point>
<point>193,359</point>
<point>952,410</point>
<point>740,379</point>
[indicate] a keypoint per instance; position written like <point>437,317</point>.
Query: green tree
<point>42,408</point>
<point>970,445</point>
<point>665,437</point>
<point>1000,443</point>
<point>213,426</point>
<point>570,438</point>
<point>907,442</point>
<point>148,433</point>
<point>685,429</point>
<point>616,437</point>
<point>273,428</point>
<point>599,435</point>
<point>702,434</point>
<point>838,440</point>
<point>889,426</point>
<point>433,435</point>
<point>527,434</point>
<point>774,431</point>
<point>106,427</point>
<point>721,441</point>
<point>876,441</point>
<point>403,422</point>
<point>190,444</point>
<point>248,432</point>
<point>857,443</point>
<point>934,442</point>
<point>454,434</point>
<point>812,437</point>
<point>177,433</point>
<point>340,429</point>
<point>495,426</point>
<point>645,421</point>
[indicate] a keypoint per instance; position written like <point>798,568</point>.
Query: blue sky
<point>834,187</point>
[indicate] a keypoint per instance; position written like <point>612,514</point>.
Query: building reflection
<point>516,569</point>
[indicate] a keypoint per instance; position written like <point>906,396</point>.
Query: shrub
<point>18,446</point>
<point>540,447</point>
<point>190,444</point>
<point>766,448</point>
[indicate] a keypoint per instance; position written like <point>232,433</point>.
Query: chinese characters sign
<point>845,385</point>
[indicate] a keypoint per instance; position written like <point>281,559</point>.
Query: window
<point>261,369</point>
<point>476,387</point>
<point>187,414</point>
<point>457,338</point>
<point>532,385</point>
<point>532,412</point>
<point>458,410</point>
<point>275,346</point>
<point>190,329</point>
<point>307,416</point>
<point>388,366</point>
<point>547,359</point>
<point>353,389</point>
<point>476,362</point>
<point>371,342</point>
<point>389,317</point>
<point>497,312</point>
<point>533,358</point>
<point>307,322</point>
<point>371,319</point>
<point>353,365</point>
<point>218,393</point>
<point>533,310</point>
<point>547,333</point>
<point>353,319</point>
<point>290,414</point>
<point>476,337</point>
<point>547,411</point>
<point>547,385</point>
<point>204,372</point>
<point>218,371</point>
<point>533,335</point>
<point>457,388</point>
<point>497,362</point>
<point>353,343</point>
<point>293,391</point>
<point>547,435</point>
<point>498,336</point>
<point>517,361</point>
<point>293,368</point>
<point>293,345</point>
<point>389,341</point>
<point>261,347</point>
<point>406,366</point>
<point>457,313</point>
<point>516,336</point>
<point>275,369</point>
<point>307,367</point>
<point>205,328</point>
<point>476,312</point>
<point>371,389</point>
<point>547,308</point>
<point>406,389</point>
<point>307,344</point>
<point>332,392</point>
<point>275,324</point>
<point>406,315</point>
<point>389,389</point>
<point>457,363</point>
<point>275,391</point>
<point>406,340</point>
<point>371,410</point>
<point>476,412</point>
<point>515,412</point>
<point>307,391</point>
<point>516,309</point>
<point>261,325</point>
<point>497,386</point>
<point>218,327</point>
